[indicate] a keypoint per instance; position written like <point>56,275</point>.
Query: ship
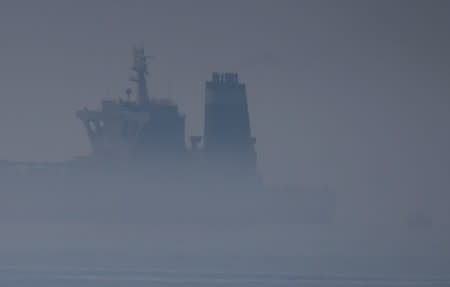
<point>142,167</point>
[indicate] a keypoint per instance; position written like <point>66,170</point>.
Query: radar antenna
<point>140,67</point>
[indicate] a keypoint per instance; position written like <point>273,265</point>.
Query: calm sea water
<point>71,277</point>
<point>89,270</point>
<point>171,241</point>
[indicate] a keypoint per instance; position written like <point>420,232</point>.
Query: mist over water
<point>348,102</point>
<point>117,232</point>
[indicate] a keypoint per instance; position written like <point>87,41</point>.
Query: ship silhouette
<point>141,167</point>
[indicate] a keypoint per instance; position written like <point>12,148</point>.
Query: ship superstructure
<point>150,130</point>
<point>140,127</point>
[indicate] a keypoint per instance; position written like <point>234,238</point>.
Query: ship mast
<point>140,67</point>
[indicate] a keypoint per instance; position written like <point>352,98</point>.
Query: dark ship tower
<point>228,141</point>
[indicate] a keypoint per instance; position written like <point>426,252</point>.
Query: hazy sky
<point>350,94</point>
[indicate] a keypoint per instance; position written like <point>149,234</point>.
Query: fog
<point>346,98</point>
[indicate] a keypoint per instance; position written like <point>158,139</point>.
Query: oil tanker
<point>142,168</point>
